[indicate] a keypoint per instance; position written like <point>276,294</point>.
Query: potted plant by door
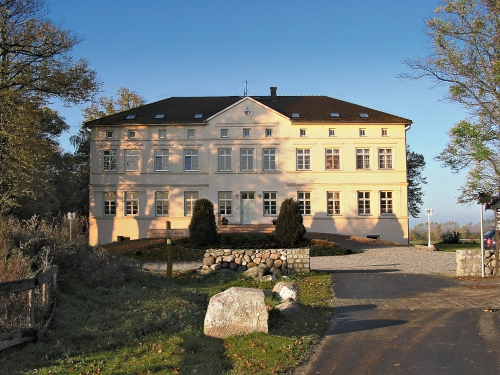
<point>224,221</point>
<point>274,221</point>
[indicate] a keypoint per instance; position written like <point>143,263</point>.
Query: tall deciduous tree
<point>35,67</point>
<point>415,165</point>
<point>466,59</point>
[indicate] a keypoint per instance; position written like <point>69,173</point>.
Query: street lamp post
<point>428,212</point>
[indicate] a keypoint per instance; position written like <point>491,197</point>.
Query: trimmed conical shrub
<point>289,228</point>
<point>202,229</point>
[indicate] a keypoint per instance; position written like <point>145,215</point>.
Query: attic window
<point>334,115</point>
<point>159,116</point>
<point>198,115</point>
<point>295,115</point>
<point>364,115</point>
<point>130,117</point>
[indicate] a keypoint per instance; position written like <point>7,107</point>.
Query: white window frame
<point>304,200</point>
<point>364,206</point>
<point>131,203</point>
<point>333,203</point>
<point>362,132</point>
<point>224,133</point>
<point>131,160</point>
<point>385,132</point>
<point>331,132</point>
<point>386,203</point>
<point>109,134</point>
<point>190,198</point>
<point>162,203</point>
<point>303,159</point>
<point>269,132</point>
<point>246,133</point>
<point>247,160</point>
<point>385,158</point>
<point>191,159</point>
<point>190,133</point>
<point>109,159</point>
<point>303,132</point>
<point>224,161</point>
<point>131,134</point>
<point>162,160</point>
<point>162,134</point>
<point>109,203</point>
<point>270,203</point>
<point>362,158</point>
<point>332,153</point>
<point>225,203</point>
<point>269,159</point>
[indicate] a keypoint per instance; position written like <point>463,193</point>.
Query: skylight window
<point>334,115</point>
<point>159,116</point>
<point>130,117</point>
<point>295,115</point>
<point>198,115</point>
<point>364,115</point>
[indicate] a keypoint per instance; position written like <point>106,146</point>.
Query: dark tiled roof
<point>312,109</point>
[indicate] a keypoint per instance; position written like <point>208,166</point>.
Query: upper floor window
<point>162,134</point>
<point>162,160</point>
<point>302,132</point>
<point>363,202</point>
<point>303,159</point>
<point>269,159</point>
<point>385,158</point>
<point>131,133</point>
<point>109,133</point>
<point>224,133</point>
<point>331,132</point>
<point>332,159</point>
<point>190,160</point>
<point>190,198</point>
<point>109,203</point>
<point>386,202</point>
<point>333,202</point>
<point>131,160</point>
<point>304,200</point>
<point>162,203</point>
<point>362,158</point>
<point>109,160</point>
<point>246,133</point>
<point>246,162</point>
<point>385,132</point>
<point>131,203</point>
<point>224,159</point>
<point>362,132</point>
<point>269,132</point>
<point>190,133</point>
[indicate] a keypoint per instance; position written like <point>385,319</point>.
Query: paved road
<point>395,323</point>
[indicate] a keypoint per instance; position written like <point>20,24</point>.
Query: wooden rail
<point>30,285</point>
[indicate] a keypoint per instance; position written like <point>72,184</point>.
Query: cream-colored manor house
<point>345,164</point>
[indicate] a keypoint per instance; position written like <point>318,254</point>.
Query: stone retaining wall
<point>277,261</point>
<point>469,263</point>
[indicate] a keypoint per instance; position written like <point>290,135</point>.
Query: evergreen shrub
<point>290,229</point>
<point>202,229</point>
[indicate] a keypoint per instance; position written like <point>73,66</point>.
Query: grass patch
<point>448,247</point>
<point>132,322</point>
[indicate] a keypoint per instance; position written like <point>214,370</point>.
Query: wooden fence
<point>37,285</point>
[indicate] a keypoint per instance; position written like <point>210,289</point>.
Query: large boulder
<point>286,290</point>
<point>236,311</point>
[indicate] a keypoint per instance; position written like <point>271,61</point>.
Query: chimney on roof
<point>273,92</point>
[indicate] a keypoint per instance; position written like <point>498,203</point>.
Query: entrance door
<point>248,207</point>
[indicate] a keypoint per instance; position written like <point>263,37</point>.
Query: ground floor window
<point>161,199</point>
<point>131,203</point>
<point>270,204</point>
<point>304,200</point>
<point>225,202</point>
<point>386,202</point>
<point>363,202</point>
<point>333,199</point>
<point>109,203</point>
<point>190,197</point>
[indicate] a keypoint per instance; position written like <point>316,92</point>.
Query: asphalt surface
<point>396,323</point>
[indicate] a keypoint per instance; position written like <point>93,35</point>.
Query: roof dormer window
<point>130,117</point>
<point>295,115</point>
<point>198,115</point>
<point>364,115</point>
<point>160,116</point>
<point>334,115</point>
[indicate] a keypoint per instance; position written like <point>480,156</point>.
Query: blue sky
<point>351,50</point>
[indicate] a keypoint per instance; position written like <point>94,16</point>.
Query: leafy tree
<point>466,59</point>
<point>415,165</point>
<point>35,67</point>
<point>202,229</point>
<point>290,229</point>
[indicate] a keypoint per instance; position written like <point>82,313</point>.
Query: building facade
<point>345,165</point>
